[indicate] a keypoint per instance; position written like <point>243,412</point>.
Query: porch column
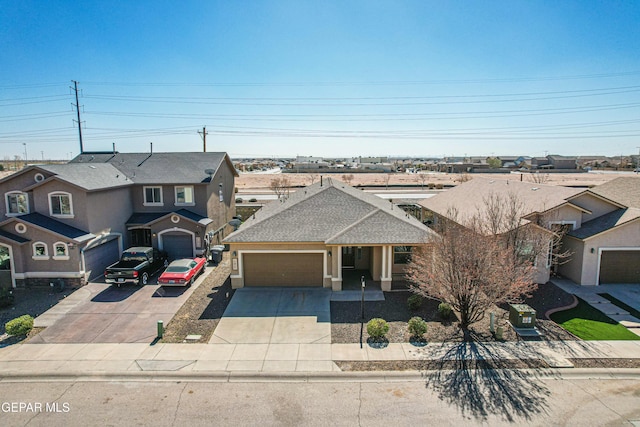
<point>336,268</point>
<point>387,268</point>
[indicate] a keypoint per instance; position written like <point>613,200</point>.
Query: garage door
<point>620,267</point>
<point>282,269</point>
<point>99,257</point>
<point>178,245</point>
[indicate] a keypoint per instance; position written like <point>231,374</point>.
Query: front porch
<point>376,264</point>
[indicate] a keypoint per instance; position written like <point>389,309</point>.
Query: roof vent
<point>534,189</point>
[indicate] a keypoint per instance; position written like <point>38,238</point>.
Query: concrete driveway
<point>100,313</point>
<point>276,316</point>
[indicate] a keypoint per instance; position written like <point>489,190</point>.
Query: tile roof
<point>159,168</point>
<point>468,199</point>
<point>55,226</point>
<point>605,222</point>
<point>623,190</point>
<point>331,212</point>
<point>90,177</point>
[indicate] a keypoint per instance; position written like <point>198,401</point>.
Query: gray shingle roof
<point>332,213</point>
<point>605,222</point>
<point>90,177</point>
<point>623,190</point>
<point>55,226</point>
<point>159,168</point>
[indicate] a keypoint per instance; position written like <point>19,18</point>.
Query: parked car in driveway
<point>136,265</point>
<point>182,272</point>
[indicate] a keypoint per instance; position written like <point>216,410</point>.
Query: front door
<point>141,237</point>
<point>348,257</point>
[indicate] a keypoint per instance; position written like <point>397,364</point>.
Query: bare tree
<point>488,261</point>
<point>281,186</point>
<point>539,178</point>
<point>463,177</point>
<point>313,177</point>
<point>347,178</point>
<point>387,177</point>
<point>421,178</point>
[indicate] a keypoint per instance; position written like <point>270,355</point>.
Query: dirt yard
<point>253,181</point>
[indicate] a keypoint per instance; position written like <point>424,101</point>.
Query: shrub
<point>377,328</point>
<point>20,325</point>
<point>431,185</point>
<point>238,200</point>
<point>417,326</point>
<point>414,302</point>
<point>253,200</point>
<point>444,310</point>
<point>439,186</point>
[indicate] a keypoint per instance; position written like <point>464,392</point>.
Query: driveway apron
<point>276,316</point>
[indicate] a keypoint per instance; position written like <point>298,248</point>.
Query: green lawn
<point>588,323</point>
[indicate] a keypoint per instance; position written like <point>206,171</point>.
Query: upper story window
<point>60,205</point>
<point>153,196</point>
<point>184,195</point>
<point>17,203</point>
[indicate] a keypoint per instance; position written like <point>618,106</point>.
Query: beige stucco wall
<point>626,236</point>
<point>221,212</point>
<point>573,269</point>
<point>78,203</point>
<point>108,211</point>
<point>564,213</point>
<point>18,182</point>
<point>597,206</point>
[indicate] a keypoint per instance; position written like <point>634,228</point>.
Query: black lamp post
<point>362,311</point>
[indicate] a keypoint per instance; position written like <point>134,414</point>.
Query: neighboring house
<point>602,224</point>
<point>321,230</point>
<point>562,162</point>
<point>70,221</point>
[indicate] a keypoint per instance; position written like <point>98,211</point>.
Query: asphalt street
<point>566,400</point>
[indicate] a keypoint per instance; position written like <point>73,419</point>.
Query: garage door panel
<point>620,267</point>
<point>100,257</point>
<point>178,245</point>
<point>283,269</point>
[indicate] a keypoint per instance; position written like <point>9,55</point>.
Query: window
<point>184,195</point>
<point>17,203</point>
<point>550,254</point>
<point>153,196</point>
<point>402,254</point>
<point>60,251</point>
<point>40,251</point>
<point>527,250</point>
<point>60,205</point>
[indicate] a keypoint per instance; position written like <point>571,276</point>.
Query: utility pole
<point>25,153</point>
<point>77,105</point>
<point>204,134</point>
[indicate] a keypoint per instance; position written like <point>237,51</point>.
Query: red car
<point>182,272</point>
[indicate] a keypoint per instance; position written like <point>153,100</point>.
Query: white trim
<point>61,193</point>
<point>11,263</point>
<point>50,274</point>
<point>55,252</point>
<point>175,195</point>
<point>603,249</point>
<point>339,262</point>
<point>37,257</point>
<point>20,228</point>
<point>7,204</point>
<point>549,254</point>
<point>38,177</point>
<point>282,251</point>
<point>180,230</point>
<point>175,218</point>
<point>144,196</point>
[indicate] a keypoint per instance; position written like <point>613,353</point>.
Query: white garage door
<point>99,257</point>
<point>178,245</point>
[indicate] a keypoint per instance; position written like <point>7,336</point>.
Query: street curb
<point>309,377</point>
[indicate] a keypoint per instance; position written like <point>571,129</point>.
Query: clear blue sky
<point>322,78</point>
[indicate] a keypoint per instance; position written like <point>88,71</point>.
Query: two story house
<point>70,221</point>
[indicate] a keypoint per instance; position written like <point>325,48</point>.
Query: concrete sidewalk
<point>96,359</point>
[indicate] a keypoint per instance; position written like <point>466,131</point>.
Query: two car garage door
<point>619,267</point>
<point>283,269</point>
